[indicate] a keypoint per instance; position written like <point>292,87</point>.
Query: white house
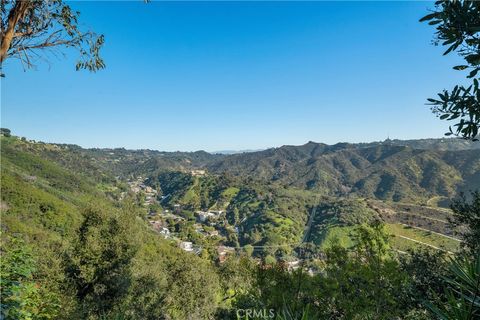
<point>164,232</point>
<point>186,245</point>
<point>203,216</point>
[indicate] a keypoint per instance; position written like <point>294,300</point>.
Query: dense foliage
<point>76,244</point>
<point>457,26</point>
<point>71,251</point>
<point>467,213</point>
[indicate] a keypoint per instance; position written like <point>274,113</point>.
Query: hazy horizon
<point>230,150</point>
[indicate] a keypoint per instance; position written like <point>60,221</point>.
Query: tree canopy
<point>457,26</point>
<point>32,31</point>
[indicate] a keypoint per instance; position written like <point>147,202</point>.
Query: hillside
<point>267,196</point>
<point>386,172</point>
<point>410,170</point>
<point>64,207</point>
<point>72,236</point>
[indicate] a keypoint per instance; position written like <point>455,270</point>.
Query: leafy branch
<point>458,28</point>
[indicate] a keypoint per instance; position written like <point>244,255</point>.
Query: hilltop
<point>383,171</point>
<point>412,170</point>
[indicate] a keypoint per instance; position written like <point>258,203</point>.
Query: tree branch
<point>15,14</point>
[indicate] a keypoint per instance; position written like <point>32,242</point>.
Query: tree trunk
<point>15,14</point>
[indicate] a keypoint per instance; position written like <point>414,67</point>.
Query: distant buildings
<point>293,265</point>
<point>203,216</point>
<point>189,247</point>
<point>165,232</point>
<point>223,252</point>
<point>160,228</point>
<point>196,173</point>
<point>213,233</point>
<point>138,185</point>
<point>150,190</point>
<point>186,245</point>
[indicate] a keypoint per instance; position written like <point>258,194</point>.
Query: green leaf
<point>429,16</point>
<point>473,73</point>
<point>462,67</point>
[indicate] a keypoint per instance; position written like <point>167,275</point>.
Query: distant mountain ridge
<point>389,170</point>
<point>227,152</point>
<point>268,195</point>
<point>451,144</point>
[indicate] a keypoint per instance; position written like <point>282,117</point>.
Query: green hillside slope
<point>78,251</point>
<point>385,172</point>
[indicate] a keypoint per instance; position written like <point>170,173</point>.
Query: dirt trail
<point>421,215</point>
<point>426,244</point>
<point>434,232</point>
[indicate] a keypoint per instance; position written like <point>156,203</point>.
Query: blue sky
<point>237,75</point>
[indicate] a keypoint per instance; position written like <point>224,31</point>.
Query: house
<point>290,265</point>
<point>203,215</point>
<point>165,232</point>
<point>311,272</point>
<point>186,245</point>
<point>198,173</point>
<point>198,228</point>
<point>213,233</point>
<point>223,252</point>
<point>150,190</point>
<point>293,265</point>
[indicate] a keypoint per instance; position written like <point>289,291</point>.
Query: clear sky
<point>237,75</point>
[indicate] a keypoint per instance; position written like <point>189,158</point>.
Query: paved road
<point>306,234</point>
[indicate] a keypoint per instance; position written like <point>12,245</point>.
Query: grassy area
<point>399,240</point>
<point>337,233</point>
<point>436,240</point>
<point>230,192</point>
<point>191,196</point>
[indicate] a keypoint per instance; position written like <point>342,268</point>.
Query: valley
<point>193,226</point>
<point>265,200</point>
